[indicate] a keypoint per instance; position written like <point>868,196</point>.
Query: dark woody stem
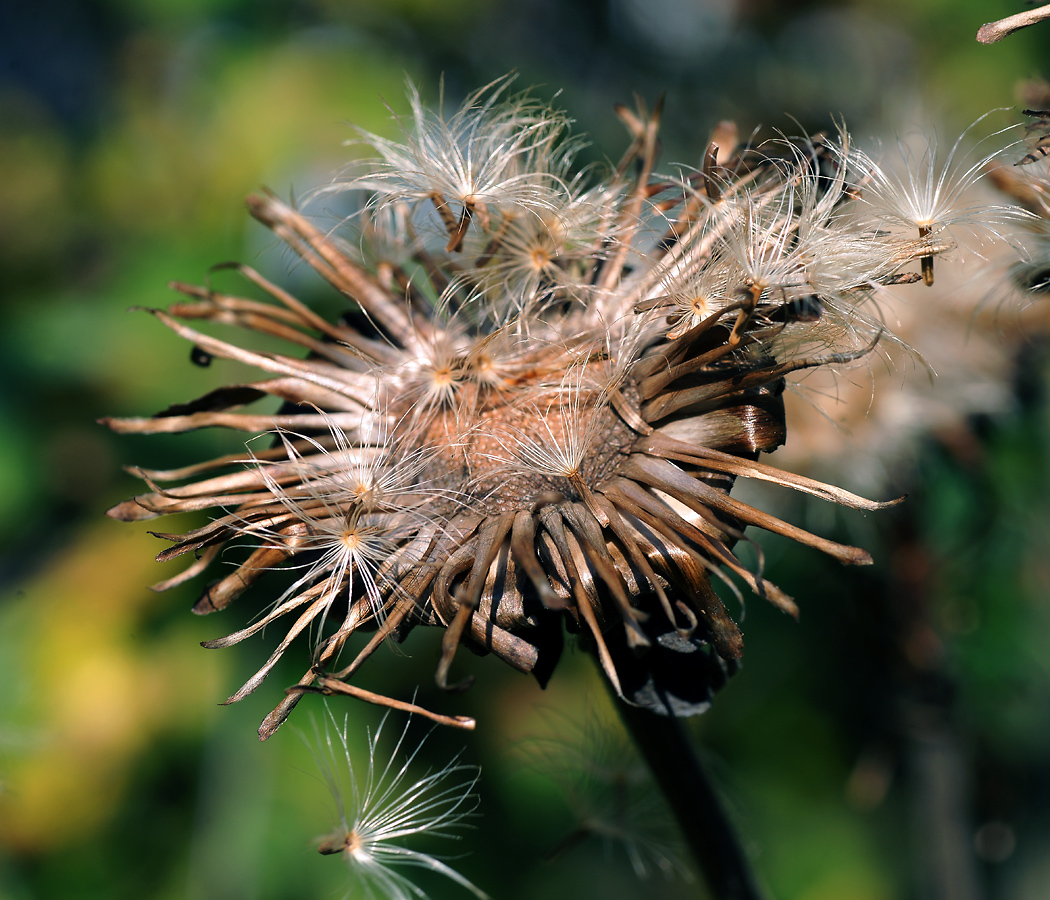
<point>671,757</point>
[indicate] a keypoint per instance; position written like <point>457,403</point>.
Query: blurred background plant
<point>130,133</point>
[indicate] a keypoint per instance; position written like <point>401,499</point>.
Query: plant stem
<point>996,31</point>
<point>673,760</point>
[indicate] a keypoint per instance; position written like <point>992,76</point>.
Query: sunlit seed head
<point>541,258</point>
<point>384,808</point>
<point>485,370</point>
<point>605,359</point>
<point>496,153</point>
<point>924,190</point>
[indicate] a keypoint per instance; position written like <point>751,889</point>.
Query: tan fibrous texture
<point>531,416</point>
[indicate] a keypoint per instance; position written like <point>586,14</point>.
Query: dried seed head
<point>929,194</point>
<point>381,811</point>
<point>505,456</point>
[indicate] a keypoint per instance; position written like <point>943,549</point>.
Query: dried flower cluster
<point>544,387</point>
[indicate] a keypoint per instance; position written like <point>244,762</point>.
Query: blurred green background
<point>911,705</point>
